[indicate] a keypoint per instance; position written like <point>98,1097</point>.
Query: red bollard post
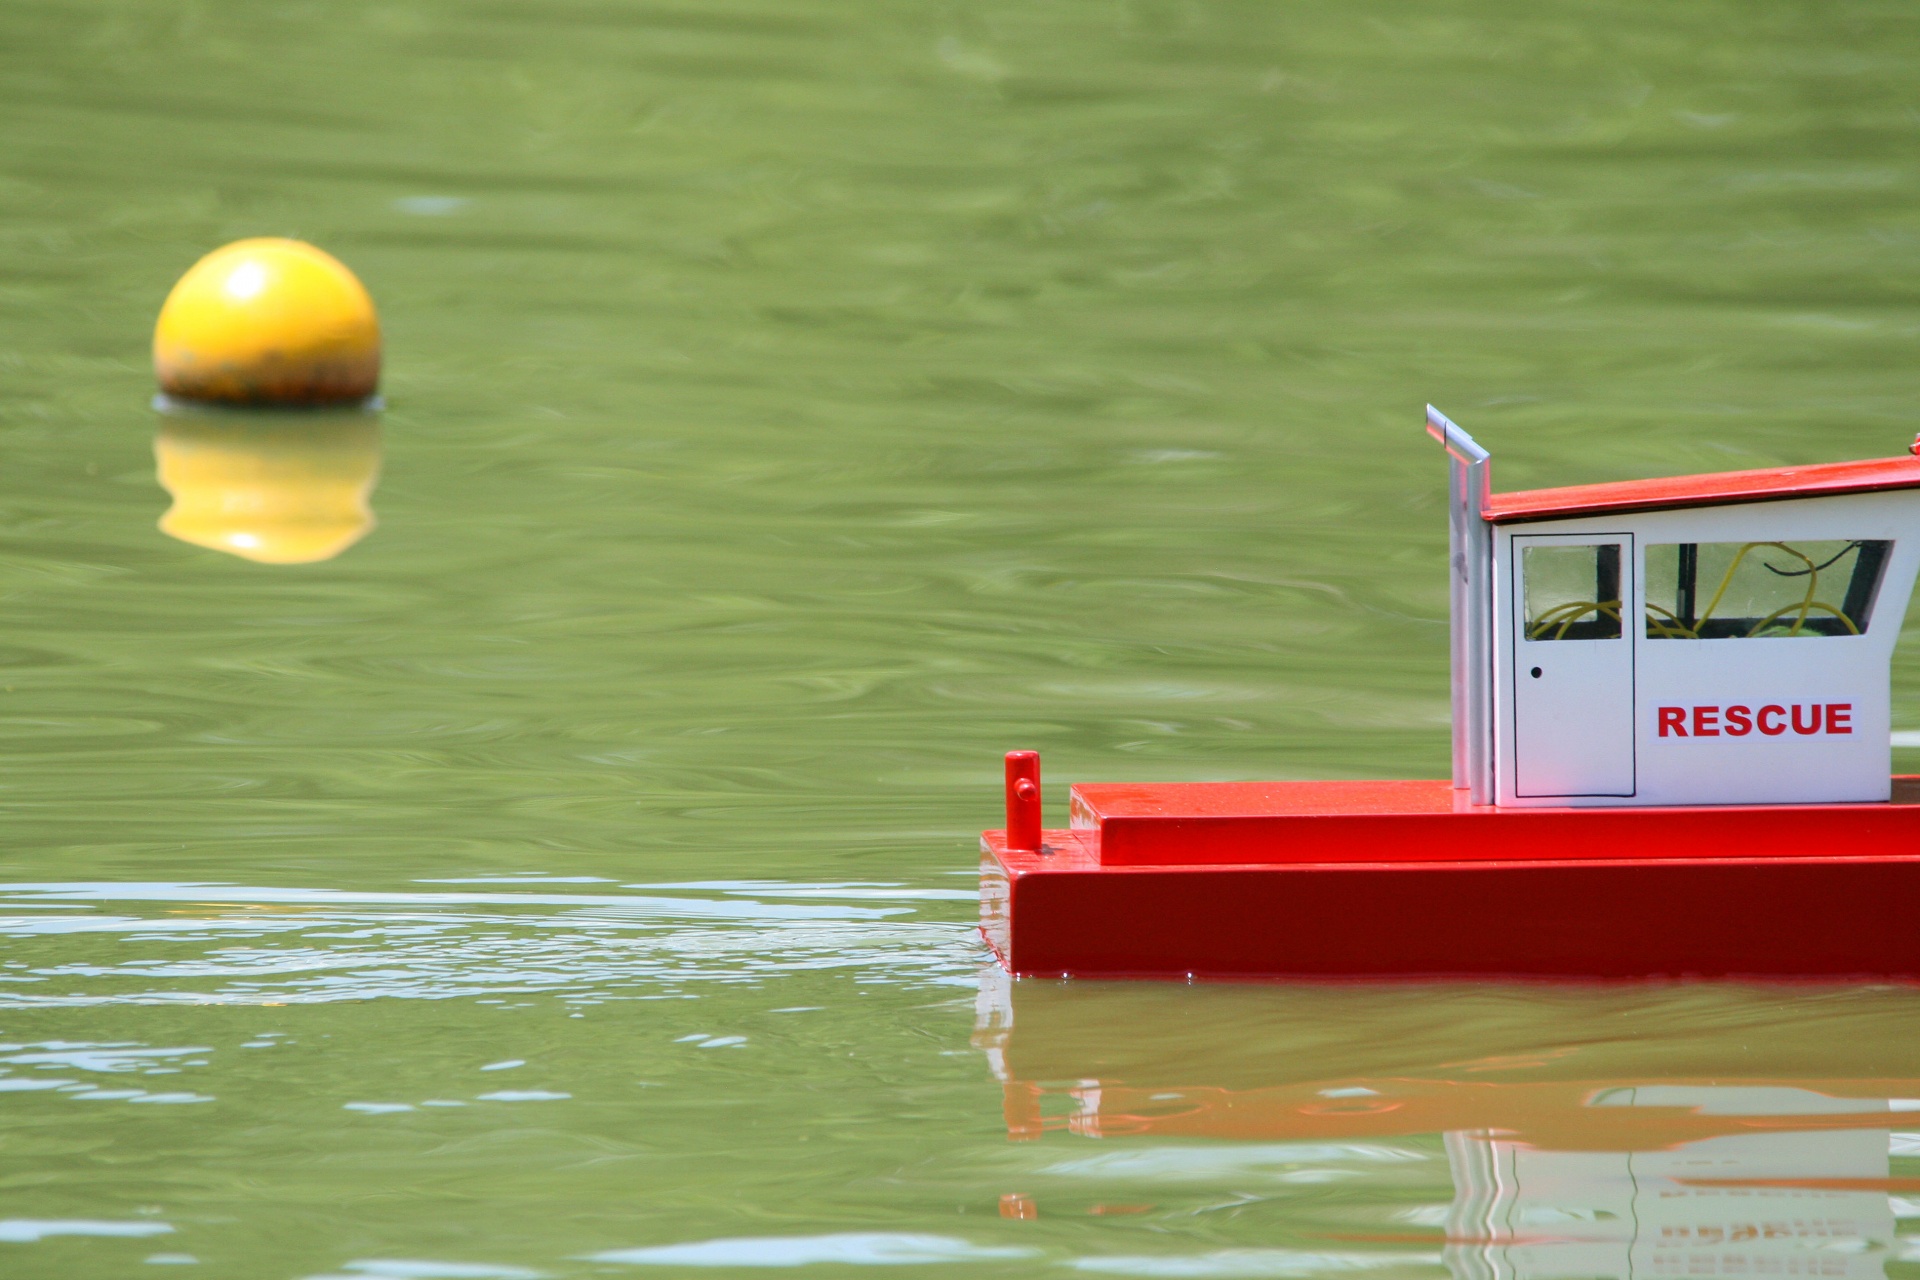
<point>1023,800</point>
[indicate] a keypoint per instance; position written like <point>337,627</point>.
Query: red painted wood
<point>1067,914</point>
<point>1214,823</point>
<point>1715,489</point>
<point>1023,800</point>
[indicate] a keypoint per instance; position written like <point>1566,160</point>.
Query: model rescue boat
<point>1671,756</point>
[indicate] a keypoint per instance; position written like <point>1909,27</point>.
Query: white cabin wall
<point>1789,768</point>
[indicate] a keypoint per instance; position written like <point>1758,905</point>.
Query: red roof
<point>1771,485</point>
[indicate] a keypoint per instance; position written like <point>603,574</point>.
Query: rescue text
<point>1771,721</point>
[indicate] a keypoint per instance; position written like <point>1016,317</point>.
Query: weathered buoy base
<point>1398,879</point>
<point>271,385</point>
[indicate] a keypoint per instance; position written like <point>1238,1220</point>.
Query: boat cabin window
<point>1572,592</point>
<point>1762,590</point>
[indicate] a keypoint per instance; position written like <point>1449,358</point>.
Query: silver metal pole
<point>1470,606</point>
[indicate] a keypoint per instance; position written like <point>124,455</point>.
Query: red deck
<point>1191,823</point>
<point>1373,879</point>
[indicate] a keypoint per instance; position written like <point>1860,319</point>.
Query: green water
<point>792,407</point>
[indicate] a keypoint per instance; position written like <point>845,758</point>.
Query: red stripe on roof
<point>1717,489</point>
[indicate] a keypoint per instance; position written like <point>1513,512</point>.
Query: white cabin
<point>1711,639</point>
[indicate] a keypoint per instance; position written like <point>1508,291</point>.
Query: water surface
<point>790,408</point>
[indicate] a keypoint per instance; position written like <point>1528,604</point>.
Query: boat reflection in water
<point>279,489</point>
<point>1703,1130</point>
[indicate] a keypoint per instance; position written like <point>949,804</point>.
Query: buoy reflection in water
<point>276,490</point>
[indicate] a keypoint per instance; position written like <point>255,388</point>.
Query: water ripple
<point>252,944</point>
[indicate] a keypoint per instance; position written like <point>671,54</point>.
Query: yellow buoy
<point>268,321</point>
<point>286,491</point>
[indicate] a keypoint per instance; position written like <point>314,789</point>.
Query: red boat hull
<point>1305,886</point>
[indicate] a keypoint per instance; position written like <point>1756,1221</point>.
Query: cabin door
<point>1573,665</point>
